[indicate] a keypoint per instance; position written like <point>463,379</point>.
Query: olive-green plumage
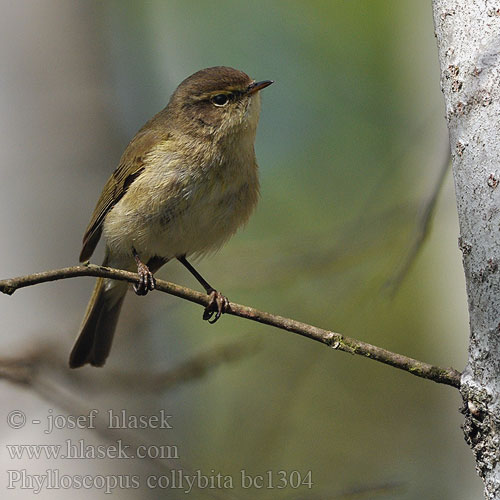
<point>184,185</point>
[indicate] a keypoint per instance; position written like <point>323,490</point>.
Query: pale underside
<point>185,204</point>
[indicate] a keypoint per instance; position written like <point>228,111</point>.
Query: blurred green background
<point>350,144</point>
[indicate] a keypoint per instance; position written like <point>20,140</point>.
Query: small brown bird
<point>184,185</point>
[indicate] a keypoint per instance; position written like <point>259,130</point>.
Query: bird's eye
<point>220,99</point>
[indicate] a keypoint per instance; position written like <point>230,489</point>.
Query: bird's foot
<point>146,281</point>
<point>217,305</point>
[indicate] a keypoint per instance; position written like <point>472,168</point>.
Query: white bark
<point>468,38</point>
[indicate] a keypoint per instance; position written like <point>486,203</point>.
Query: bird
<point>185,183</point>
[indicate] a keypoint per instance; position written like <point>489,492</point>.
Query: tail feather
<point>99,323</point>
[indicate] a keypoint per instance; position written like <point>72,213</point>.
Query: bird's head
<point>217,101</point>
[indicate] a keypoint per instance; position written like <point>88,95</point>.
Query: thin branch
<point>30,371</point>
<point>191,369</point>
<point>19,370</point>
<point>422,228</point>
<point>448,376</point>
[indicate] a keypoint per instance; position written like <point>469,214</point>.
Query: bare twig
<point>422,228</point>
<point>19,370</point>
<point>448,376</point>
<point>191,369</point>
<point>31,371</point>
<point>56,393</point>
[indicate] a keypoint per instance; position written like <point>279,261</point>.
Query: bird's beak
<point>256,86</point>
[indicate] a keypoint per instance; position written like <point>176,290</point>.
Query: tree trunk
<point>468,38</point>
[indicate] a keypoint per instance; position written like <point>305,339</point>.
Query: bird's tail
<point>99,323</point>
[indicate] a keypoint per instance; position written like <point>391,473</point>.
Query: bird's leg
<point>146,281</point>
<point>217,304</point>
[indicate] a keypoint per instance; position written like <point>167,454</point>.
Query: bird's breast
<point>180,208</point>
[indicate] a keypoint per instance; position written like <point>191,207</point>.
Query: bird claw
<point>217,305</point>
<point>146,281</point>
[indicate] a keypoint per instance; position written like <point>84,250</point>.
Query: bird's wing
<point>132,164</point>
